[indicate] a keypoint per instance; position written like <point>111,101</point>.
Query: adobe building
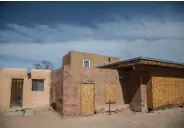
<point>150,84</point>
<point>86,82</point>
<point>79,88</point>
<point>22,89</point>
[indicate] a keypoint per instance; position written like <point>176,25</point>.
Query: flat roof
<point>93,53</point>
<point>143,60</point>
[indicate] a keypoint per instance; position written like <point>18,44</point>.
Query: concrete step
<point>19,111</point>
<point>29,112</point>
<point>14,109</point>
<point>14,113</point>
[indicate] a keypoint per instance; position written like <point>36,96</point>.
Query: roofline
<point>141,58</point>
<point>160,60</point>
<point>119,62</point>
<point>92,53</point>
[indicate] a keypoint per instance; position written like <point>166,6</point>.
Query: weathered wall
<point>56,83</point>
<point>146,82</point>
<point>31,99</point>
<point>1,83</point>
<point>95,59</point>
<point>7,75</point>
<point>75,77</point>
<point>66,60</point>
<point>131,88</point>
<point>56,89</point>
<point>134,85</point>
<point>37,98</point>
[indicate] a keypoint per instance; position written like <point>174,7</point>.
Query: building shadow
<point>130,83</point>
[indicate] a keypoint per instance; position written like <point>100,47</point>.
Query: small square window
<point>86,63</point>
<point>37,85</point>
<point>104,63</point>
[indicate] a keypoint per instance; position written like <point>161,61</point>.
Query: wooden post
<point>109,107</point>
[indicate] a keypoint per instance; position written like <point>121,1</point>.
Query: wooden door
<point>16,93</point>
<point>87,99</point>
<point>110,93</point>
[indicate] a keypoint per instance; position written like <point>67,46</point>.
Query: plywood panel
<point>167,90</point>
<point>87,99</point>
<point>110,93</point>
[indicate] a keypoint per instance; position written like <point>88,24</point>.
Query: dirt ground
<point>170,118</point>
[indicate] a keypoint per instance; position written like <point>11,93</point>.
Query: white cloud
<point>122,39</point>
<point>162,49</point>
<point>105,31</point>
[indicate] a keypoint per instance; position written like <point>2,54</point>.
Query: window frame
<point>37,85</point>
<point>89,63</point>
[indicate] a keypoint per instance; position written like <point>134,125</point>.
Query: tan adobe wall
<point>39,98</point>
<point>66,60</point>
<point>1,72</point>
<point>76,58</point>
<point>131,88</point>
<point>31,99</point>
<point>5,90</point>
<point>55,81</point>
<point>134,85</point>
<point>56,89</point>
<point>75,77</point>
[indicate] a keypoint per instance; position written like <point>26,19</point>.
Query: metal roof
<point>141,58</point>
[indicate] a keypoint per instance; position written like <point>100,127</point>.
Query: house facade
<point>81,89</point>
<point>78,59</point>
<point>85,84</point>
<point>20,89</point>
<point>150,84</point>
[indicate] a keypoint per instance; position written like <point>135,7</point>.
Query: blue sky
<point>34,31</point>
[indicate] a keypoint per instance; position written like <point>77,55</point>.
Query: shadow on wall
<point>130,84</point>
<point>123,83</point>
<point>56,91</point>
<point>53,105</point>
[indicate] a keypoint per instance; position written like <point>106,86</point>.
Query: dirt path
<point>171,118</point>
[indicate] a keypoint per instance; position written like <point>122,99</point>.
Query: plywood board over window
<point>87,99</point>
<point>167,91</point>
<point>110,93</point>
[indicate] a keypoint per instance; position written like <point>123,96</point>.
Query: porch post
<point>143,89</point>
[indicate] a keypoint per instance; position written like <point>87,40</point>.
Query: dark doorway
<point>16,93</point>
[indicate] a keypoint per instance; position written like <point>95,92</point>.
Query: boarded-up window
<point>110,93</point>
<point>37,85</point>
